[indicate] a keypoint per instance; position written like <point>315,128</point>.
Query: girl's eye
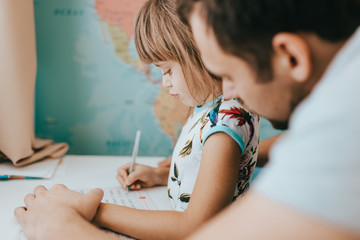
<point>167,72</point>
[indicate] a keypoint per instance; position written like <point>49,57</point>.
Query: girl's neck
<point>211,98</point>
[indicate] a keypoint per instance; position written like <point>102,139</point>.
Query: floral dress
<point>218,115</point>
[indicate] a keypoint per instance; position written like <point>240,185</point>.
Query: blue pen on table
<point>134,154</point>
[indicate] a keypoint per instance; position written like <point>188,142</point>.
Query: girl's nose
<point>166,82</point>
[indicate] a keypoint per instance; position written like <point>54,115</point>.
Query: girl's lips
<point>174,95</point>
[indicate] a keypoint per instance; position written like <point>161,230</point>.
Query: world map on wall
<point>91,89</point>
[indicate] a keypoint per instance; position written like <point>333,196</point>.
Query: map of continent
<point>117,18</point>
<point>92,91</point>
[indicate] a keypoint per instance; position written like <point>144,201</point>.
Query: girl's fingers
<point>134,176</point>
<point>122,175</point>
<point>121,181</point>
<point>122,172</point>
<point>125,167</point>
<point>135,186</point>
<point>134,179</point>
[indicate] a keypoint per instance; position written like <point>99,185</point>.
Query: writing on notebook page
<point>135,199</point>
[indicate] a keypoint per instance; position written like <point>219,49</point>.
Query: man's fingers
<point>19,213</point>
<point>90,203</point>
<point>96,194</point>
<point>38,189</point>
<point>28,199</point>
<point>59,187</point>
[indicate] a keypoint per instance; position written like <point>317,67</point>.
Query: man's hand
<point>52,209</point>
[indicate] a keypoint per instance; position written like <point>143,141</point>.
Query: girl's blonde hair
<point>161,36</point>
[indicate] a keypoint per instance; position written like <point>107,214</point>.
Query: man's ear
<point>293,54</point>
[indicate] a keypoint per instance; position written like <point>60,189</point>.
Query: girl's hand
<point>142,176</point>
<point>165,163</point>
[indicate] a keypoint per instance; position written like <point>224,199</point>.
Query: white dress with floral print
<point>217,116</point>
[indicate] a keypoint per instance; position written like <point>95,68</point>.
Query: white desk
<point>76,172</point>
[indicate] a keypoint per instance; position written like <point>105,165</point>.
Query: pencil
<point>135,153</point>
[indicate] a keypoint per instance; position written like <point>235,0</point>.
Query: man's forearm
<point>256,217</point>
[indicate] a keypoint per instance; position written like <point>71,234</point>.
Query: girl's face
<point>173,79</point>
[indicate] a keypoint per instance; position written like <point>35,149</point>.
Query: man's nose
<point>228,90</point>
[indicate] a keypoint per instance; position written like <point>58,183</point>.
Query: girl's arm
<point>165,163</point>
<point>213,191</point>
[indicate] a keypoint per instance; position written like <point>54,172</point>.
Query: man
<point>297,60</point>
<point>285,59</point>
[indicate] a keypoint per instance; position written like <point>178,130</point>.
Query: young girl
<point>216,152</point>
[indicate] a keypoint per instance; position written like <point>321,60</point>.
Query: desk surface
<point>76,172</point>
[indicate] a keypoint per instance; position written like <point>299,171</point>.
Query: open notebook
<point>38,170</point>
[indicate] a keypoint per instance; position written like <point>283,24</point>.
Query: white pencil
<point>135,153</point>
